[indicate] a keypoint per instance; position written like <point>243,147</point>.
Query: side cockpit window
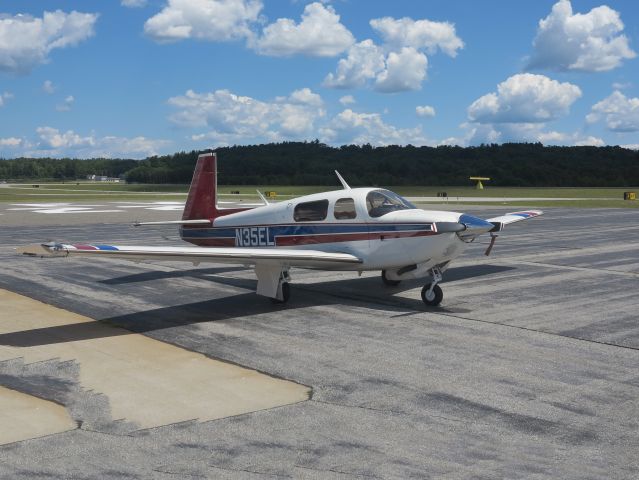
<point>311,211</point>
<point>344,209</point>
<point>381,202</point>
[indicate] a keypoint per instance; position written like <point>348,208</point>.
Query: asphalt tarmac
<point>528,369</point>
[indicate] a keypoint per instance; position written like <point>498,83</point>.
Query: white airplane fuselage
<point>402,238</point>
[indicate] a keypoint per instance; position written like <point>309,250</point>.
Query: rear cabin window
<point>344,209</point>
<point>311,211</point>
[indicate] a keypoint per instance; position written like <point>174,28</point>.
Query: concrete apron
<point>147,382</point>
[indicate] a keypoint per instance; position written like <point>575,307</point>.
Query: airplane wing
<point>288,257</point>
<point>513,217</point>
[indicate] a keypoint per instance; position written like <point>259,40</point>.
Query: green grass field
<point>544,197</point>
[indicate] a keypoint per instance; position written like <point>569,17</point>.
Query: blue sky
<point>132,78</point>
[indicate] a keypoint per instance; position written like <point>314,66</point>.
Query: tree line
<point>62,169</point>
<point>313,163</point>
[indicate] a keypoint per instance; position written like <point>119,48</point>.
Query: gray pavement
<point>527,370</point>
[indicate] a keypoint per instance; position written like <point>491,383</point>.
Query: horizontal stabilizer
<point>174,222</point>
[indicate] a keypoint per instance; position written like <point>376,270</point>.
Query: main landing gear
<point>432,294</point>
<point>273,282</point>
<point>284,289</point>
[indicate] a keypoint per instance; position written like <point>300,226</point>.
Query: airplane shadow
<point>355,292</point>
<point>201,273</point>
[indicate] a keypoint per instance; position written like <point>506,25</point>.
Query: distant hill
<point>312,163</point>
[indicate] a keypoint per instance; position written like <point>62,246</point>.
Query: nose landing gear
<point>432,294</point>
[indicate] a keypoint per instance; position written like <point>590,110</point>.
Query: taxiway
<point>527,370</point>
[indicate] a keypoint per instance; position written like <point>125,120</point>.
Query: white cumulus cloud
<point>11,142</point>
<point>52,138</point>
<point>621,85</point>
<point>133,3</point>
<point>303,96</point>
<point>319,34</point>
<point>235,118</point>
<point>400,63</point>
<point>620,113</point>
<point>521,132</point>
<point>26,41</point>
<point>215,20</point>
<point>419,34</point>
<point>525,98</point>
<point>576,139</point>
<point>4,97</point>
<point>425,111</point>
<point>52,142</point>
<point>364,61</point>
<point>349,127</point>
<point>48,87</point>
<point>590,42</point>
<point>225,118</point>
<point>66,105</point>
<point>347,100</point>
<point>405,70</point>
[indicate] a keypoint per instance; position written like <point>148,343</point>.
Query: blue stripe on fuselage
<point>306,229</point>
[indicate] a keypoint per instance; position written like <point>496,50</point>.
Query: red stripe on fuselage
<point>345,237</point>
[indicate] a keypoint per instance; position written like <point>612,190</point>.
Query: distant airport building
<point>103,178</point>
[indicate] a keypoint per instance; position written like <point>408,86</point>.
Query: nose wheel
<point>432,294</point>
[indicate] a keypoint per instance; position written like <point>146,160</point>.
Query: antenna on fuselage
<point>262,197</point>
<point>344,184</point>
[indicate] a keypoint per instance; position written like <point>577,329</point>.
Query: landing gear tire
<point>434,297</point>
<point>286,294</point>
<point>388,282</point>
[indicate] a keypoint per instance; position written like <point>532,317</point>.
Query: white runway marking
<point>108,207</point>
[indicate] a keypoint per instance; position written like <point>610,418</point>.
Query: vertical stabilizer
<point>201,204</point>
<point>202,199</point>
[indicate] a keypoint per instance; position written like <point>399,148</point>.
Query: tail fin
<point>201,204</point>
<point>202,199</point>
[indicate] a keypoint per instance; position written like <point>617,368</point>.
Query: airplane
<point>356,229</point>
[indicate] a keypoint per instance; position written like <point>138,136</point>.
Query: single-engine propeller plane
<point>357,229</point>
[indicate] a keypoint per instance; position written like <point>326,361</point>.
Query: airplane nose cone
<point>475,225</point>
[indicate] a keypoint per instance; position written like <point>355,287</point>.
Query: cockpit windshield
<point>381,202</point>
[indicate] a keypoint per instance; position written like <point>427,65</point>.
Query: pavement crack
<point>246,470</point>
<point>339,472</point>
<point>393,412</point>
<point>605,271</point>
<point>110,434</point>
<point>377,301</point>
<point>179,474</point>
<point>541,332</point>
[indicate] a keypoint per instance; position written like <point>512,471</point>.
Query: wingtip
<point>50,249</point>
<point>32,250</point>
